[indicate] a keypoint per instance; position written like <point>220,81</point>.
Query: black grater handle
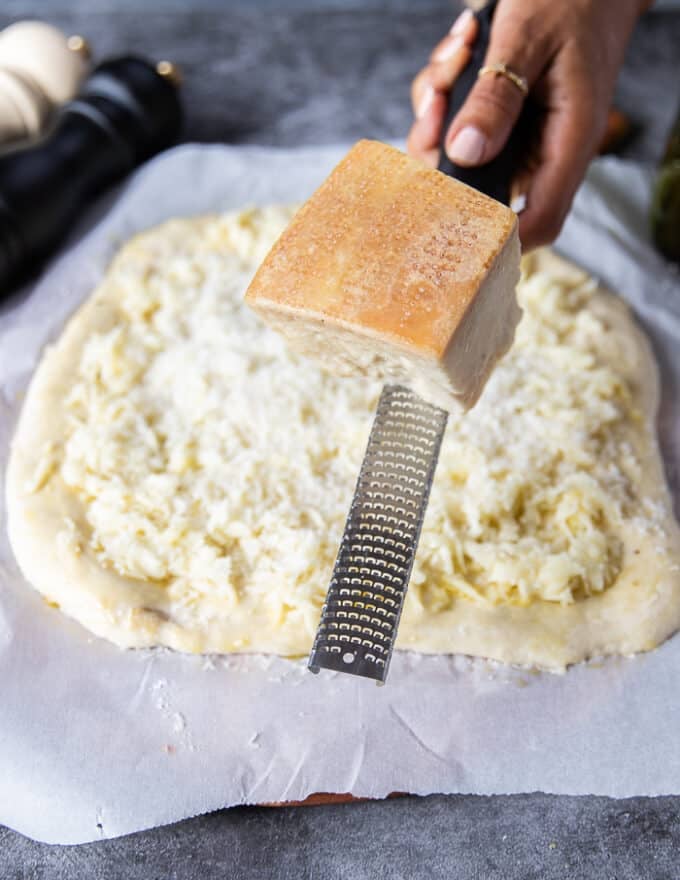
<point>495,177</point>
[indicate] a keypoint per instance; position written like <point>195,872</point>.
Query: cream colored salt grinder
<point>40,68</point>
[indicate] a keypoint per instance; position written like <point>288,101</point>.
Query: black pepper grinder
<point>127,111</point>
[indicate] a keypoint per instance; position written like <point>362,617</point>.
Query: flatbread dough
<point>179,478</point>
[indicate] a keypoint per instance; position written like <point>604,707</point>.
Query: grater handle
<point>495,177</point>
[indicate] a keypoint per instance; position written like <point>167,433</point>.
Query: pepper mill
<point>127,111</point>
<point>40,68</point>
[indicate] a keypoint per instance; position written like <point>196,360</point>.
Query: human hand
<point>570,52</point>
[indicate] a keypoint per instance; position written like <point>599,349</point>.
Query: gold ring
<point>501,69</point>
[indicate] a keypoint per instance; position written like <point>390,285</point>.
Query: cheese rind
<point>397,272</point>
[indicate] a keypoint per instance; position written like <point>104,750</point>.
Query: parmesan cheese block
<point>179,477</point>
<point>397,272</point>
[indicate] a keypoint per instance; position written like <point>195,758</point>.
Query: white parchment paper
<point>97,742</point>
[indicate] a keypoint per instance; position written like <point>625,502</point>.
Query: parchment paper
<point>96,742</point>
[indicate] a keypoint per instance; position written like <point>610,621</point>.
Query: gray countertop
<point>302,73</point>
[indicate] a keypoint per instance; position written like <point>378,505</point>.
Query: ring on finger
<point>502,69</point>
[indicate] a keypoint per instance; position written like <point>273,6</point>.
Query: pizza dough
<point>179,478</point>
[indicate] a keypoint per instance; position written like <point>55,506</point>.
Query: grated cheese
<point>217,464</point>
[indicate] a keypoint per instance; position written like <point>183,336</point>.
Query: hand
<point>570,52</point>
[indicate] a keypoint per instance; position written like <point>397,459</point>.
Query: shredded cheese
<point>214,462</point>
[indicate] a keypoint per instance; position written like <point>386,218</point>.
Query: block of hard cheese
<point>398,272</point>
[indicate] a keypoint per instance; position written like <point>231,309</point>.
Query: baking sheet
<point>96,742</point>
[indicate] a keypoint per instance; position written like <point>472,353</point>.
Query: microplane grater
<point>361,613</point>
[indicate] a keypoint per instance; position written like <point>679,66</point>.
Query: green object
<point>665,213</point>
<point>665,209</point>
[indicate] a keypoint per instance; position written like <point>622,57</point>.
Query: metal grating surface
<point>361,614</point>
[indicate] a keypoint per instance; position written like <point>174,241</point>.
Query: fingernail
<point>425,102</point>
<point>518,203</point>
<point>461,22</point>
<point>450,47</point>
<point>468,146</point>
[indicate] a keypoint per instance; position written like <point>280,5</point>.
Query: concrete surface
<point>524,837</point>
<point>310,72</point>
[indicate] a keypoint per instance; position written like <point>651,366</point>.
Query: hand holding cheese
<point>570,53</point>
<point>398,272</point>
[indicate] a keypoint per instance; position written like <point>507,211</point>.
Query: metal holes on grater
<point>372,571</point>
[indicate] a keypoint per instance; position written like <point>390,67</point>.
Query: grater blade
<point>361,613</point>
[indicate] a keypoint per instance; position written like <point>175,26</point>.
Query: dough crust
<point>67,551</point>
